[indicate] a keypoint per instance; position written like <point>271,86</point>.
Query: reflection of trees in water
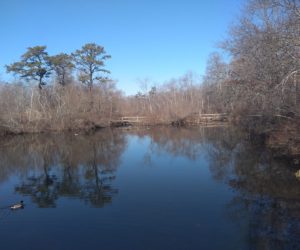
<point>268,194</point>
<point>187,142</point>
<point>272,223</point>
<point>64,165</point>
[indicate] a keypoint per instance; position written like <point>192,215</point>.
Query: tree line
<point>258,82</point>
<point>37,65</point>
<point>81,95</point>
<point>263,73</point>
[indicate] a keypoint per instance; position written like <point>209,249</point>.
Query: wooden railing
<point>192,118</point>
<point>127,120</point>
<point>133,118</point>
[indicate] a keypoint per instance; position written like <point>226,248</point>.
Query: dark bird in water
<point>17,206</point>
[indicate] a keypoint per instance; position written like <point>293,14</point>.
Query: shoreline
<point>283,139</point>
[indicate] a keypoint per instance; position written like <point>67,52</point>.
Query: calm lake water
<point>147,188</point>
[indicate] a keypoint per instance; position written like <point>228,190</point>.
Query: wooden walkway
<point>190,119</point>
<point>204,118</point>
<point>130,120</point>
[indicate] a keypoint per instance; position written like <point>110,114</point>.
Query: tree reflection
<point>187,142</point>
<point>267,196</point>
<point>266,190</point>
<point>42,188</point>
<point>65,166</point>
<point>97,188</point>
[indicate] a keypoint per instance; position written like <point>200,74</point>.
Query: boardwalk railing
<point>195,118</point>
<point>134,119</point>
<point>210,115</point>
<point>129,120</point>
<point>198,118</point>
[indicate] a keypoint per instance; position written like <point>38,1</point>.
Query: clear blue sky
<point>156,39</point>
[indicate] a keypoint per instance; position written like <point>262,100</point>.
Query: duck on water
<point>17,205</point>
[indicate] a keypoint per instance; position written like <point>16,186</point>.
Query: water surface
<point>147,188</point>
